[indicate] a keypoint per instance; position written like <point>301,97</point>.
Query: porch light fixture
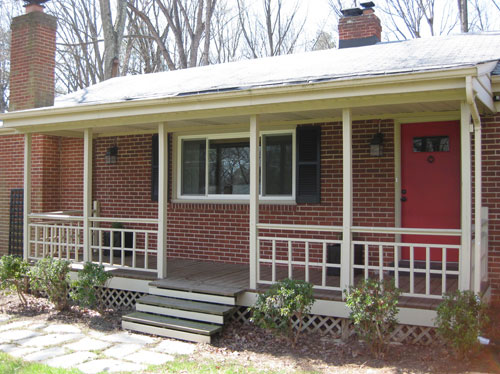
<point>112,155</point>
<point>377,145</point>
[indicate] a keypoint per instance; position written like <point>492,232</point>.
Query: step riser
<point>179,313</point>
<point>169,333</point>
<point>216,299</point>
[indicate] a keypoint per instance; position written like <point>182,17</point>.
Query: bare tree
<point>273,31</point>
<point>113,34</point>
<point>462,11</point>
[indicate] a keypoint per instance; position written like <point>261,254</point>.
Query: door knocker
<point>430,159</point>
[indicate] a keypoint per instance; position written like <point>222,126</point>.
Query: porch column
<point>345,258</point>
<point>87,193</point>
<point>27,196</point>
<point>466,219</point>
<point>254,199</point>
<point>162,200</point>
<point>478,197</point>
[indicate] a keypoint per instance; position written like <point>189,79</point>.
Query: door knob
<point>403,199</point>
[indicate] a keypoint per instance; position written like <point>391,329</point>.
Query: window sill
<point>232,201</point>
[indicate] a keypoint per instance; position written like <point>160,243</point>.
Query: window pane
<point>229,167</point>
<point>431,144</point>
<point>193,167</point>
<point>278,166</point>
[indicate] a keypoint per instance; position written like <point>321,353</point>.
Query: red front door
<point>430,185</point>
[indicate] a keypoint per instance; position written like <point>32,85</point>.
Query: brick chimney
<point>359,27</point>
<point>32,58</point>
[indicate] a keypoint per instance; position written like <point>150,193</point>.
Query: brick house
<point>371,160</point>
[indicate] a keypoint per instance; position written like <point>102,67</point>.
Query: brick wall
<point>362,26</point>
<point>11,176</point>
<point>32,57</point>
<point>491,197</point>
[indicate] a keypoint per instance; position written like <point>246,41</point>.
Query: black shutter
<point>308,164</point>
<point>154,168</point>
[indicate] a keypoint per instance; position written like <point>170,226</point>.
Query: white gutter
<point>477,184</point>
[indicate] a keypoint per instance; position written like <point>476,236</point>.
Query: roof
<point>419,55</point>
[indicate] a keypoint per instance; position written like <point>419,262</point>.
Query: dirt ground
<point>249,345</point>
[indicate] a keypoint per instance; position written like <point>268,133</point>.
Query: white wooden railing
<point>305,257</point>
<point>56,236</point>
<point>61,236</point>
<point>298,258</point>
<point>128,248</point>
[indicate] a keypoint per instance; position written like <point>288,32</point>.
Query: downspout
<point>477,183</point>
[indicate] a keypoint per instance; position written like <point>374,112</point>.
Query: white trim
<point>346,273</point>
<point>27,195</point>
<point>254,202</point>
<point>466,208</point>
<point>233,198</point>
<point>87,193</point>
<point>162,200</point>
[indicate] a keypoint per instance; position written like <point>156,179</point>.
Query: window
<point>431,144</point>
<point>219,166</point>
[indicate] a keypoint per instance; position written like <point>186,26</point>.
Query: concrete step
<point>181,308</point>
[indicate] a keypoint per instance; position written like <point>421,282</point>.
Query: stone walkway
<point>91,351</point>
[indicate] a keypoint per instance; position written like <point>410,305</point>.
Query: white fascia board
<point>338,89</point>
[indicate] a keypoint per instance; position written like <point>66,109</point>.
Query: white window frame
<point>234,135</point>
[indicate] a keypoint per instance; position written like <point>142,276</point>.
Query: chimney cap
<point>34,2</point>
<point>368,5</point>
<point>351,12</point>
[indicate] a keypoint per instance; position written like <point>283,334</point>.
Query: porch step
<point>181,308</point>
<point>193,295</point>
<point>180,314</point>
<point>170,327</point>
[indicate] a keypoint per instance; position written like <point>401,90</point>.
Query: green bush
<point>87,289</point>
<point>276,308</point>
<point>51,276</point>
<point>373,306</point>
<point>460,317</point>
<point>13,275</point>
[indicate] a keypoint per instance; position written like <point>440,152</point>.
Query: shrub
<point>87,289</point>
<point>276,308</point>
<point>373,307</point>
<point>460,317</point>
<point>51,276</point>
<point>13,272</point>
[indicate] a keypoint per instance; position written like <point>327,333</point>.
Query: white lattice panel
<point>342,327</point>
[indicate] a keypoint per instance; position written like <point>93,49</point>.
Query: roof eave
<point>355,85</point>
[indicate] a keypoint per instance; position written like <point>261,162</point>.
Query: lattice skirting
<point>343,328</point>
<point>120,299</point>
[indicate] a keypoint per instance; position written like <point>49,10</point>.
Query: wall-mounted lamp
<point>377,145</point>
<point>112,155</point>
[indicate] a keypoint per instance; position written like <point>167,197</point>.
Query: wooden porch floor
<point>204,276</point>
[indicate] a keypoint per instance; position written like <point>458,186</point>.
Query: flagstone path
<point>91,351</point>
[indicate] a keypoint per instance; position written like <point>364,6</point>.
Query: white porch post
<point>254,199</point>
<point>27,196</point>
<point>466,221</point>
<point>477,206</point>
<point>87,193</point>
<point>345,258</point>
<point>162,199</point>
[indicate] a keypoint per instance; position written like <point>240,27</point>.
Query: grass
<point>11,365</point>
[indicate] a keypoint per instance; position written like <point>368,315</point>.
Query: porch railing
<point>132,246</point>
<point>424,270</point>
<point>56,236</point>
<point>128,248</point>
